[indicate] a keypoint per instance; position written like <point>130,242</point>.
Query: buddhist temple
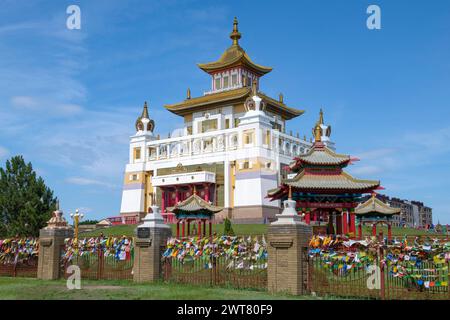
<point>374,211</point>
<point>233,146</point>
<point>197,210</point>
<point>326,196</point>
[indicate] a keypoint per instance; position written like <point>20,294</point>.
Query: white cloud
<point>24,102</point>
<point>89,182</point>
<point>3,152</point>
<point>69,109</point>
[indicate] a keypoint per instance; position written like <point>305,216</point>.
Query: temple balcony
<point>221,141</point>
<point>184,178</point>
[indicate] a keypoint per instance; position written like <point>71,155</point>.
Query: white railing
<point>220,141</point>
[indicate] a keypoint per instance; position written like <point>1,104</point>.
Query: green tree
<point>227,228</point>
<point>26,203</point>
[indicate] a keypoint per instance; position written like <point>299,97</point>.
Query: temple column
<point>330,223</point>
<point>210,228</point>
<point>199,228</point>
<point>339,223</point>
<point>163,200</point>
<point>177,197</point>
<point>352,223</point>
<point>188,227</point>
<point>204,228</point>
<point>308,217</point>
<point>344,221</point>
<point>178,228</point>
<point>183,228</point>
<point>374,229</point>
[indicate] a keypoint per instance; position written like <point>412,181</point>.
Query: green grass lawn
<point>31,289</point>
<point>249,229</point>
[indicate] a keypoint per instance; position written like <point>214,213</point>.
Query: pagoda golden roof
<point>234,96</point>
<point>316,182</point>
<point>194,204</point>
<point>234,56</point>
<point>320,155</point>
<point>374,206</point>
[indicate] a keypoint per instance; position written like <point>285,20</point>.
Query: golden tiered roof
<point>341,181</point>
<point>320,155</point>
<point>375,207</point>
<point>194,204</point>
<point>234,96</point>
<point>234,56</point>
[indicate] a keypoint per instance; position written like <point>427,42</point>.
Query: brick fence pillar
<point>151,238</point>
<point>51,241</point>
<point>288,240</point>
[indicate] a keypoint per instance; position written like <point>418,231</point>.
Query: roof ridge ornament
<point>144,123</point>
<point>235,34</point>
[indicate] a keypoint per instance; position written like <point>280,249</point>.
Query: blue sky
<point>69,98</point>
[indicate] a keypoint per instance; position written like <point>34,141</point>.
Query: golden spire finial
<point>254,89</point>
<point>188,93</point>
<point>290,193</point>
<point>235,35</point>
<point>321,116</point>
<point>317,131</point>
<point>145,111</point>
<point>281,97</point>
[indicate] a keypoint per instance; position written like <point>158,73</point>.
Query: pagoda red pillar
<point>374,229</point>
<point>308,217</point>
<point>178,228</point>
<point>330,223</point>
<point>339,224</point>
<point>177,197</point>
<point>188,227</point>
<point>344,221</point>
<point>199,228</point>
<point>183,228</point>
<point>352,223</point>
<point>210,228</point>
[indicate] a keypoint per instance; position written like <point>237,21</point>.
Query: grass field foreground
<point>34,289</point>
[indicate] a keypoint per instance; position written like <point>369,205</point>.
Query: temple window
<point>236,122</point>
<point>267,139</point>
<point>217,84</point>
<point>234,80</point>
<point>137,153</point>
<point>225,82</point>
<point>189,130</point>
<point>208,125</point>
<point>248,137</point>
<point>227,123</point>
<point>246,165</point>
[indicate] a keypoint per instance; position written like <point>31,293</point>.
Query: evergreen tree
<point>26,203</point>
<point>228,229</point>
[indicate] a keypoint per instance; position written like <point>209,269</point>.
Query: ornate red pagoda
<point>194,209</point>
<point>374,211</point>
<point>326,195</point>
